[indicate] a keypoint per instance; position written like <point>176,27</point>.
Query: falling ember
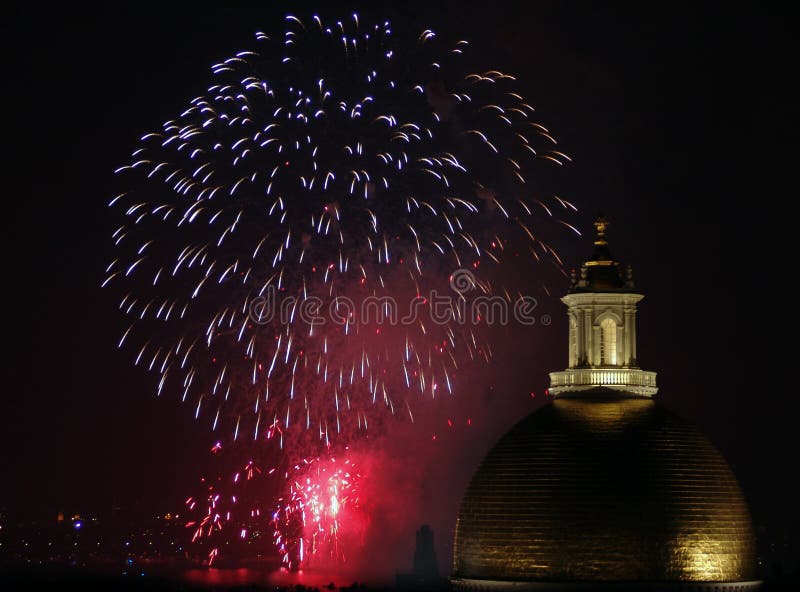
<point>212,555</point>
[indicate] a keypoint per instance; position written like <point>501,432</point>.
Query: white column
<point>628,355</point>
<point>573,339</point>
<point>587,321</point>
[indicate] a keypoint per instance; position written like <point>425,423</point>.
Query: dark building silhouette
<point>425,573</point>
<point>425,553</point>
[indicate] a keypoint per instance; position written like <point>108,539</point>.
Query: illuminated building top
<point>602,329</point>
<point>602,488</point>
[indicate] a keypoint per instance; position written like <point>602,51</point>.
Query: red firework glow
<point>320,519</point>
<point>317,520</point>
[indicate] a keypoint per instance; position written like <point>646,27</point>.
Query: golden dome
<point>603,489</point>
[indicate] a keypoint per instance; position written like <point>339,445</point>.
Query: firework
<point>331,163</point>
<point>320,516</point>
<point>229,508</point>
<point>317,521</point>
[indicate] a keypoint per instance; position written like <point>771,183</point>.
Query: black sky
<point>675,116</point>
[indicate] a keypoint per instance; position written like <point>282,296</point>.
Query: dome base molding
<point>474,585</point>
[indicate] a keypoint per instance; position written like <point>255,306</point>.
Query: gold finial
<point>600,225</point>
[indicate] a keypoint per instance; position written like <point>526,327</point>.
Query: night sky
<point>679,128</point>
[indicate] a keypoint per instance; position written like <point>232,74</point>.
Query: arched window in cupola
<point>608,342</point>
